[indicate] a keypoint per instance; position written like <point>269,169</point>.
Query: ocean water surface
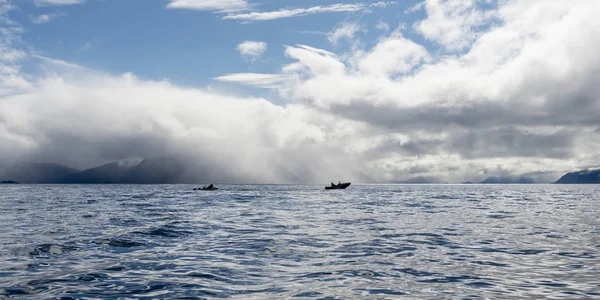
<point>300,242</point>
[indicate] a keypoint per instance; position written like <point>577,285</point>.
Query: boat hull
<point>340,186</point>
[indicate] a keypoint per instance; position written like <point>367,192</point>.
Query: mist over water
<point>281,241</point>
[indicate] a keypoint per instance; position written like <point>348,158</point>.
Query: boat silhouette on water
<point>207,188</point>
<point>339,186</point>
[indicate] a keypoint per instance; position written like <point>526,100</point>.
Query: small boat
<point>339,186</point>
<point>207,188</point>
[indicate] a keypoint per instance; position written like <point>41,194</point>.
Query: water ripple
<point>300,242</point>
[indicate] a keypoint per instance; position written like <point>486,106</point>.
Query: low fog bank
<point>173,169</point>
<point>203,137</point>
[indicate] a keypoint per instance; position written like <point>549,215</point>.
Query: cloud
<point>87,45</point>
<point>383,26</point>
<point>254,79</point>
<point>524,142</point>
<point>221,6</point>
<point>297,12</point>
<point>454,24</point>
<point>381,4</point>
<point>11,55</point>
<point>76,117</point>
<point>520,98</point>
<point>252,50</point>
<point>56,2</point>
<point>344,30</point>
<point>393,55</point>
<point>44,18</point>
<point>522,93</point>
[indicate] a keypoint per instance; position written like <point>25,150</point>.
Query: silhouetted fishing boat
<point>207,188</point>
<point>339,186</point>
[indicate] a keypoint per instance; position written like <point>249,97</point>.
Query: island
<point>8,182</point>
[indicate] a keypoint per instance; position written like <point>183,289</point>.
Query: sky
<point>456,90</point>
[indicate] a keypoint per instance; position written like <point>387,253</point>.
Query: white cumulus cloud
<point>455,24</point>
<point>522,94</point>
<point>252,50</point>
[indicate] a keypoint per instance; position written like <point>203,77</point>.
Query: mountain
<point>108,173</point>
<point>172,169</point>
<point>150,170</point>
<point>31,172</point>
<point>8,182</point>
<point>581,177</point>
<point>419,180</point>
<point>508,180</point>
<point>157,170</point>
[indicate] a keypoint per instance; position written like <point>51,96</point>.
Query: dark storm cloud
<point>418,169</point>
<point>511,142</point>
<point>409,148</point>
<point>576,109</point>
<point>484,143</point>
<point>425,117</point>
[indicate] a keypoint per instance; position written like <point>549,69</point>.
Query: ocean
<point>300,242</point>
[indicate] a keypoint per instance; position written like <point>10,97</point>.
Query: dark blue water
<point>276,242</point>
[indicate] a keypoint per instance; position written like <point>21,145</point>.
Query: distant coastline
<point>581,177</point>
<point>179,170</point>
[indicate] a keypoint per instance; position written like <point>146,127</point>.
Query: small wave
<point>552,284</point>
<point>19,291</point>
<point>480,284</point>
<point>317,275</point>
<point>227,277</point>
<point>51,249</point>
<point>516,252</point>
<point>528,251</point>
<point>417,273</point>
<point>308,295</point>
<point>450,279</point>
<point>434,242</point>
<point>143,196</point>
<point>90,277</point>
<point>206,276</point>
<point>499,216</point>
<point>385,292</point>
<point>490,263</point>
<point>137,204</point>
<point>444,197</point>
<point>120,243</point>
<point>245,198</point>
<point>586,255</point>
<point>341,273</point>
<point>165,231</point>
